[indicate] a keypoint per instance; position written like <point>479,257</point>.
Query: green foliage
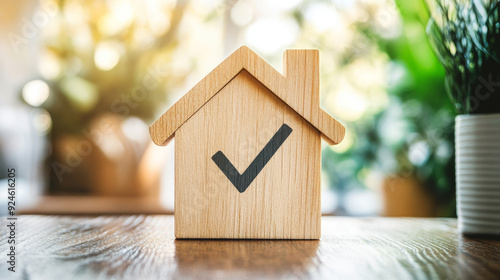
<point>466,38</point>
<point>413,136</point>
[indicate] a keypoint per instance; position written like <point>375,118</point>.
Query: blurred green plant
<point>412,135</point>
<point>428,148</point>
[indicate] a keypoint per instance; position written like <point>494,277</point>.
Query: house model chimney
<point>301,69</point>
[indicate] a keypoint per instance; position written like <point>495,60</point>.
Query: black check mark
<point>242,181</point>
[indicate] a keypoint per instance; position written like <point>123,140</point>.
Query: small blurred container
<point>22,146</point>
<point>477,139</point>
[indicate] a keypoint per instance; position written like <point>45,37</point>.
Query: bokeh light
<point>272,35</point>
<point>107,55</point>
<point>242,13</point>
<point>35,92</point>
<point>49,65</point>
<point>41,120</point>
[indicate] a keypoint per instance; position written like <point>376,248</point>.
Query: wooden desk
<point>143,247</point>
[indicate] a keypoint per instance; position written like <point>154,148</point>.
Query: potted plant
<point>466,38</point>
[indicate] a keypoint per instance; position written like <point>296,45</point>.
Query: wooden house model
<point>248,149</point>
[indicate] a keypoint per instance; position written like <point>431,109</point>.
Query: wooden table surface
<point>143,247</point>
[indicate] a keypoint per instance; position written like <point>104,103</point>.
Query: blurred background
<point>82,80</point>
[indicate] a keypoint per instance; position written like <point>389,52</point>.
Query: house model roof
<point>298,87</point>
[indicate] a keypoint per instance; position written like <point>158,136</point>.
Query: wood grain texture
<point>299,90</point>
<point>144,247</point>
<point>284,199</point>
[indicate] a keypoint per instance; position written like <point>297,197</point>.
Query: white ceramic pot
<point>477,140</point>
